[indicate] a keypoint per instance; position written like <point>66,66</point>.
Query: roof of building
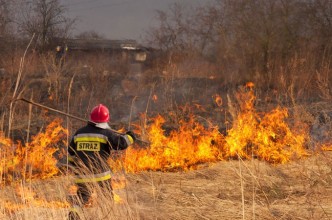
<point>102,44</point>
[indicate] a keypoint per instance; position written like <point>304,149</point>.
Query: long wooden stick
<point>52,109</point>
<point>69,115</point>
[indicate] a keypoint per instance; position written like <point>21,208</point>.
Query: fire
<point>155,98</point>
<point>34,159</point>
<point>184,148</point>
<point>326,147</point>
<point>7,159</point>
<point>267,137</point>
<point>264,136</point>
<point>217,99</point>
<point>250,85</point>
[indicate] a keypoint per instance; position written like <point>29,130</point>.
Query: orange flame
<point>218,100</point>
<point>155,98</point>
<point>326,147</point>
<point>250,85</point>
<point>35,159</point>
<point>184,148</point>
<point>253,135</point>
<point>8,161</point>
<point>267,137</point>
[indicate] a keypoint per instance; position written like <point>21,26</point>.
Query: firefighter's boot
<point>73,216</point>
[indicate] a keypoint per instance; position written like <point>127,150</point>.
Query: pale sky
<point>119,19</point>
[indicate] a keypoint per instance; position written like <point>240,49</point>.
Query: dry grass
<point>298,190</point>
<point>293,191</point>
<point>225,190</point>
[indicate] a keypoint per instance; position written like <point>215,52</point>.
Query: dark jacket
<point>91,146</point>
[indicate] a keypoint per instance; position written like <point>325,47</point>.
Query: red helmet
<point>100,114</point>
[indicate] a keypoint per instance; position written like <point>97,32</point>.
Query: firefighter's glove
<point>132,135</point>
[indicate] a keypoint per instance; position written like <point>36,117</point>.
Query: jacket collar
<point>103,125</point>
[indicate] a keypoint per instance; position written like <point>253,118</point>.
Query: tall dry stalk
<point>18,80</point>
<point>253,189</point>
<point>144,122</point>
<point>131,112</point>
<point>231,107</point>
<point>323,84</point>
<point>29,119</point>
<point>242,188</point>
<point>2,121</point>
<point>67,118</point>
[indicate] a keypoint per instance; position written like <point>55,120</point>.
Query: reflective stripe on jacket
<point>93,177</point>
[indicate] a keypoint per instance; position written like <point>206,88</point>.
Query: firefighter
<point>89,149</point>
<point>60,53</point>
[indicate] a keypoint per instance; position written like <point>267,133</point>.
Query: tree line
<point>255,39</point>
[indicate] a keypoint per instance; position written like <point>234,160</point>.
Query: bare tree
<point>4,17</point>
<point>181,33</point>
<point>251,38</point>
<point>318,17</point>
<point>6,27</point>
<point>46,19</point>
<point>170,33</point>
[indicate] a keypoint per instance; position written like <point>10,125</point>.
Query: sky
<point>119,19</point>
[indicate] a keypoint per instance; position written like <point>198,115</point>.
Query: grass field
<point>261,169</point>
<point>224,190</point>
<point>219,151</point>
